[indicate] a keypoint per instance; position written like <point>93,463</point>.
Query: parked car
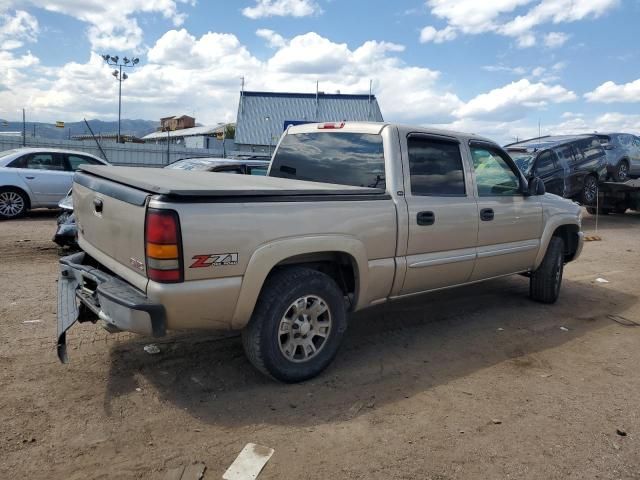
<point>351,215</point>
<point>570,166</point>
<point>224,165</point>
<point>623,155</point>
<point>66,228</point>
<point>37,177</point>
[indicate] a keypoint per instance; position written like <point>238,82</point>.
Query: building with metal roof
<point>195,137</point>
<point>263,116</point>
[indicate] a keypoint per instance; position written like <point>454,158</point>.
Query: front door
<point>550,172</point>
<point>510,223</point>
<point>443,214</point>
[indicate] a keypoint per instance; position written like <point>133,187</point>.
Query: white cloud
<point>430,34</point>
<point>611,92</point>
<point>500,16</point>
<point>201,75</point>
<point>513,100</point>
<point>274,40</point>
<point>112,24</point>
<point>17,29</point>
<point>555,39</point>
<point>506,69</point>
<point>282,8</point>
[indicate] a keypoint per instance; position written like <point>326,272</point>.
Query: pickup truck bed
<point>177,183</point>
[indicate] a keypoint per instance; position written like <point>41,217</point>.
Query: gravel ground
<point>476,382</point>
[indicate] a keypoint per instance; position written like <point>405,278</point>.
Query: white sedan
<point>37,177</point>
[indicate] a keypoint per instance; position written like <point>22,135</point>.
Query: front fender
<point>267,256</point>
<point>551,225</point>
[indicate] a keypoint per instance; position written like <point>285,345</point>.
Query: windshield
<point>523,160</point>
<point>355,159</point>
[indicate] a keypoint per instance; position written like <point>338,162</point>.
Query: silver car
<point>37,178</point>
<point>623,155</point>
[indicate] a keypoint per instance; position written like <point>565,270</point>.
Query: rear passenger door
<point>573,178</point>
<point>510,222</point>
<point>46,176</point>
<point>443,214</point>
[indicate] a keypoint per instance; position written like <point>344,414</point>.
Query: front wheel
<point>544,284</point>
<point>297,325</point>
<point>590,190</point>
<point>13,203</point>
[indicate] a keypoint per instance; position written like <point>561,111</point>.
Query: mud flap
<point>68,311</point>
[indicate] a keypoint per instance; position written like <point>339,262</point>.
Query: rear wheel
<point>590,190</point>
<point>13,203</point>
<point>544,284</point>
<point>621,174</point>
<point>297,326</point>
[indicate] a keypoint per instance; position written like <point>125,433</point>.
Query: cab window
<point>435,167</point>
<point>494,175</point>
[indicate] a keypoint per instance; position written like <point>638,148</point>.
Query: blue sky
<point>495,67</point>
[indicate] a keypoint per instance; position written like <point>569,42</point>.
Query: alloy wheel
<point>304,329</point>
<point>11,204</point>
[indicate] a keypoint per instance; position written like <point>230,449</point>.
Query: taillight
<point>163,246</point>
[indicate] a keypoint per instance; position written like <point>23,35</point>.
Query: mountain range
<point>138,128</point>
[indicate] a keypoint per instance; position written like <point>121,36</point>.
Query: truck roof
<point>377,127</point>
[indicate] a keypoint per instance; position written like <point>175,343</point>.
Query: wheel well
<point>570,237</point>
<point>340,266</point>
<point>20,190</point>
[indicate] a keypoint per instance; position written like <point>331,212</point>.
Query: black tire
<point>262,338</point>
<point>589,192</point>
<point>545,282</point>
<point>621,173</point>
<point>13,203</point>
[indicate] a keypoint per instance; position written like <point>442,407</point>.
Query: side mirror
<point>536,186</point>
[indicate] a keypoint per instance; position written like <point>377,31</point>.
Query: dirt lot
<point>475,383</point>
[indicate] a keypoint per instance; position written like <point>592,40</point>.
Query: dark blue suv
<point>569,165</point>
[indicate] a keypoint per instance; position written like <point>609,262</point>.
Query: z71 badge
<point>214,260</point>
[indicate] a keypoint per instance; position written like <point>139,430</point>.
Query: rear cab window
<point>435,167</point>
<point>343,158</point>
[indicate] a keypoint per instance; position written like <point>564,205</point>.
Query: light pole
<point>114,61</point>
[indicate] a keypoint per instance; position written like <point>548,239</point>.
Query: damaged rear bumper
<point>86,293</point>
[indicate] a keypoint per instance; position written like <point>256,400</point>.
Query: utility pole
<point>168,147</point>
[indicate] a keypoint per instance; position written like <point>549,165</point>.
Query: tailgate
<point>110,219</point>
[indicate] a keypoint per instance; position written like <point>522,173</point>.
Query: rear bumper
<point>86,293</point>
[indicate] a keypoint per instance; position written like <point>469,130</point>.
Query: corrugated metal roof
<point>185,132</point>
<point>262,115</point>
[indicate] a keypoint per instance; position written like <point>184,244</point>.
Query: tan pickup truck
<point>350,215</point>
